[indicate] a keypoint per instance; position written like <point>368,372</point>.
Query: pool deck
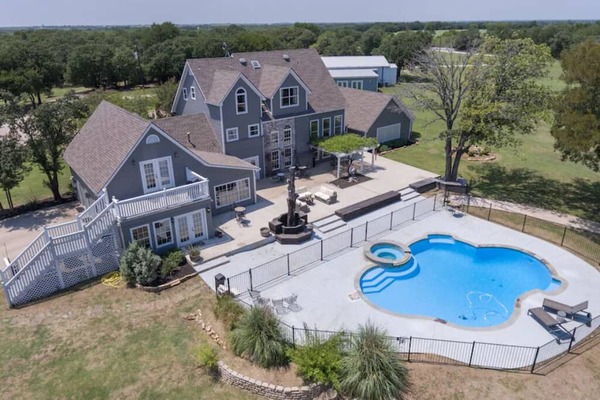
<point>324,289</point>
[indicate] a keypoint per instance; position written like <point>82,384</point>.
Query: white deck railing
<point>164,199</point>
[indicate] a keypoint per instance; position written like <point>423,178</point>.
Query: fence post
<point>250,273</point>
<point>414,210</point>
<point>288,263</point>
<point>562,241</point>
<point>351,237</point>
<point>537,351</point>
<point>409,346</point>
<point>228,286</point>
<point>524,221</point>
<point>572,340</point>
<point>391,220</point>
<point>293,336</point>
<point>472,351</point>
<point>468,202</point>
<point>55,259</point>
<point>490,212</point>
<point>366,230</point>
<point>321,249</point>
<point>434,200</point>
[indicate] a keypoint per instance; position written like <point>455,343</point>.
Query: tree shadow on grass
<point>524,186</point>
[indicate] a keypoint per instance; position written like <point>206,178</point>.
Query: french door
<point>191,228</point>
<point>157,174</point>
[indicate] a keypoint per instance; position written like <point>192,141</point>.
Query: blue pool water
<point>456,282</point>
<point>387,251</point>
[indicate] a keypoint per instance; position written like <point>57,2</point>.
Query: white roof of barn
<point>350,62</point>
<point>353,73</point>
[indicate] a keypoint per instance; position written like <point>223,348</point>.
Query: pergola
<point>339,156</point>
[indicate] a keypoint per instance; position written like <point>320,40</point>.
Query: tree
<point>47,131</point>
<point>13,167</point>
<point>371,369</point>
<point>349,143</point>
<point>484,97</point>
<point>165,95</point>
<point>91,65</point>
<point>125,66</point>
<point>576,128</point>
<point>402,48</point>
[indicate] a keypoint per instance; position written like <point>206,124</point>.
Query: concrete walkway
<point>540,213</point>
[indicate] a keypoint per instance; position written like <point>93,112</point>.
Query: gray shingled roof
<point>201,133</point>
<point>363,107</point>
<point>103,143</point>
<point>220,84</point>
<point>306,63</point>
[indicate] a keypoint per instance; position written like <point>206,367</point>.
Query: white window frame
<point>192,93</point>
<point>250,135</point>
<point>185,94</point>
<point>274,139</point>
<point>287,130</point>
<point>273,167</point>
<point>337,118</point>
<point>323,127</point>
<point>154,230</point>
<point>297,97</point>
<point>357,85</point>
<point>318,127</point>
<point>189,219</point>
<point>343,84</point>
<point>287,160</point>
<point>241,92</point>
<point>156,169</point>
<point>151,139</point>
<point>147,226</point>
<point>237,188</point>
<point>232,130</point>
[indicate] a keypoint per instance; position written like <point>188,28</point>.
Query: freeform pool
<point>457,282</point>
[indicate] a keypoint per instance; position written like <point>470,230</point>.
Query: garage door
<point>387,133</point>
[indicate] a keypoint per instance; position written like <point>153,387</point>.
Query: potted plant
<point>194,253</point>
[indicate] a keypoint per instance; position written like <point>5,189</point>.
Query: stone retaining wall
<point>267,390</point>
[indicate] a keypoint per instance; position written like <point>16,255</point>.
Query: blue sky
<point>125,12</point>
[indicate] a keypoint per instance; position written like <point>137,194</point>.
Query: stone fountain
<point>291,227</point>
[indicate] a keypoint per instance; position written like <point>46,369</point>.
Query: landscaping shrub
<point>259,338</point>
<point>208,357</point>
<point>371,369</point>
<point>319,361</point>
<point>195,253</point>
<point>228,310</point>
<point>139,265</point>
<point>171,262</point>
<point>383,148</point>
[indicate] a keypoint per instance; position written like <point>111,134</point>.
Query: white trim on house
<point>257,126</point>
<point>323,127</point>
<point>341,119</point>
<point>155,162</point>
<point>234,131</point>
<point>254,160</point>
<point>278,158</point>
<point>288,129</point>
<point>237,103</point>
<point>235,83</point>
<point>239,199</point>
<point>342,84</point>
<point>152,139</point>
<point>185,94</point>
<point>298,79</point>
<point>147,226</point>
<point>297,96</point>
<point>310,132</point>
<point>357,84</point>
<point>192,93</point>
<point>222,128</point>
<point>389,132</point>
<point>154,231</point>
<point>189,222</point>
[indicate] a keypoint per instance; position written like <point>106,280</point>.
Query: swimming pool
<point>456,282</point>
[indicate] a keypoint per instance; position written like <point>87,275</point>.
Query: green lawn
<point>530,173</point>
<point>32,189</point>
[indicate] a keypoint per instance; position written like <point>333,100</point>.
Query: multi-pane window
<point>274,139</point>
<point>343,83</point>
<point>232,192</point>
<point>287,135</point>
<point>141,235</point>
<point>357,84</point>
<point>275,160</point>
<point>232,134</point>
<point>314,128</point>
<point>157,174</point>
<point>192,93</point>
<point>163,234</point>
<point>289,96</point>
<point>337,124</point>
<point>253,130</point>
<point>326,129</point>
<point>165,175</point>
<point>185,97</point>
<point>197,225</point>
<point>149,176</point>
<point>240,100</point>
<point>287,157</point>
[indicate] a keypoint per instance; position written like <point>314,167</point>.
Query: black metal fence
<point>257,277</point>
<point>581,241</point>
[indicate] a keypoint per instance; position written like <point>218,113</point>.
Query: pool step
<point>386,278</point>
<point>332,226</point>
<point>325,221</point>
<point>408,194</point>
<point>329,224</point>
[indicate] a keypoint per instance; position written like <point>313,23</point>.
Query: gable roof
<point>306,63</point>
<point>201,137</point>
<point>109,134</point>
<point>363,107</point>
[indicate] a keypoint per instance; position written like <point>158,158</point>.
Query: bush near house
<point>228,310</point>
<point>139,265</point>
<point>171,263</point>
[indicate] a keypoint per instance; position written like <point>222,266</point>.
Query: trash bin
<point>219,280</point>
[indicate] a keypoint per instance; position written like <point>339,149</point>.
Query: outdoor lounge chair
<point>280,309</point>
<point>257,299</point>
<point>568,310</point>
<point>548,322</point>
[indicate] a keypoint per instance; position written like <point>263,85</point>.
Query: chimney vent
<point>286,57</point>
<point>243,61</point>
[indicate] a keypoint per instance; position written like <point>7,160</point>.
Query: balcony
<point>165,199</point>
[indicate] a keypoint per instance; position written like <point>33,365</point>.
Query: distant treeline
<point>34,60</point>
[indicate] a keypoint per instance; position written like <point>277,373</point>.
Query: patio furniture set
<point>564,314</point>
<point>279,306</point>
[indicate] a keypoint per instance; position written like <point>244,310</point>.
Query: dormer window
<point>193,93</point>
<point>185,96</point>
<point>288,96</point>
<point>240,100</point>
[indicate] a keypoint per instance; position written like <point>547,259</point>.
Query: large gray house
<point>237,119</point>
